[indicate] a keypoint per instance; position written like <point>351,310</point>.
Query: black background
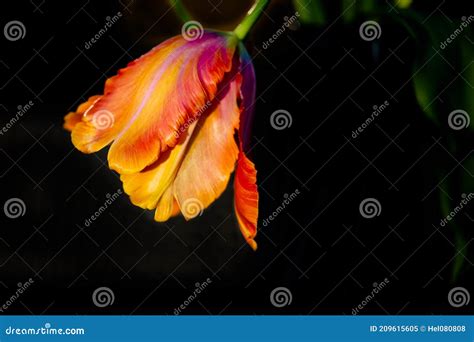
<point>320,247</point>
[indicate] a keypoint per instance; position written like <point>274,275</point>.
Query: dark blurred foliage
<point>320,247</point>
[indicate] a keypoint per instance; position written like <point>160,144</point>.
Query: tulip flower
<point>178,122</point>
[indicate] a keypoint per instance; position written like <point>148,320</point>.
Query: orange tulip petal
<point>246,198</point>
<point>167,206</point>
<point>146,105</point>
<point>210,159</point>
<point>245,182</point>
<point>196,171</point>
<point>145,188</point>
<point>110,115</point>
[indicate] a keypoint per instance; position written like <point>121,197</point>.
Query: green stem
<point>180,10</point>
<point>252,16</point>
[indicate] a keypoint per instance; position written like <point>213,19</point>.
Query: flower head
<point>177,122</point>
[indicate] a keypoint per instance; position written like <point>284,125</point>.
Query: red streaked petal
<point>246,198</point>
<point>210,159</point>
<point>151,99</point>
<point>121,93</point>
<point>245,183</point>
